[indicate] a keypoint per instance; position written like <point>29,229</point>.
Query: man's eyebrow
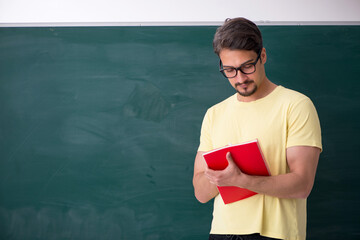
<point>248,61</point>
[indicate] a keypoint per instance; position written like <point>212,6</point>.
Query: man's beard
<point>246,93</point>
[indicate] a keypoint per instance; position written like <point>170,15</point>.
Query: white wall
<point>176,12</point>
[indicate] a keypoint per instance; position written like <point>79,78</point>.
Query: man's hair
<point>238,34</point>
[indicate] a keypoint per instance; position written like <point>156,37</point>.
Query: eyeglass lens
<point>232,72</point>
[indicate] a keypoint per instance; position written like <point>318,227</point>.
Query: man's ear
<point>263,56</point>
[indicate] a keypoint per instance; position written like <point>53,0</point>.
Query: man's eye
<point>247,66</point>
<point>229,70</point>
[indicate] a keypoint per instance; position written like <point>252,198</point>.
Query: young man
<point>287,126</point>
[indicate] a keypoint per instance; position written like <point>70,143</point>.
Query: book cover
<point>248,157</point>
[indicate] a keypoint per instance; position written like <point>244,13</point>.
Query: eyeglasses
<point>246,68</point>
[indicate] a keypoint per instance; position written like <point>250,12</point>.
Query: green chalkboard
<point>99,127</point>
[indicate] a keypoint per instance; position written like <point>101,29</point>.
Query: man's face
<point>245,84</point>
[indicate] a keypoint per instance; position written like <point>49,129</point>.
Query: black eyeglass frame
<point>239,68</point>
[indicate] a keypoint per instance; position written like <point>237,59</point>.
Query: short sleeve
<point>205,135</point>
<point>303,125</point>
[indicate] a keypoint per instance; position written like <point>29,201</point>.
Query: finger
<point>209,172</point>
<point>211,178</point>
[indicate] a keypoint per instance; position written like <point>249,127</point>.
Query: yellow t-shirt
<point>280,120</point>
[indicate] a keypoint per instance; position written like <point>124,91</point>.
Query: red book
<point>248,157</point>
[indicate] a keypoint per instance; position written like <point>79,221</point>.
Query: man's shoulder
<point>223,104</point>
<point>289,95</point>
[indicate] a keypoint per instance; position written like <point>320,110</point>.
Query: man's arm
<point>302,162</point>
<point>204,190</point>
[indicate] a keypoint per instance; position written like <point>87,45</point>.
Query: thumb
<point>229,158</point>
<point>231,162</point>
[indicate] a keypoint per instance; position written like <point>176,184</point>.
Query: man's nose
<point>240,77</point>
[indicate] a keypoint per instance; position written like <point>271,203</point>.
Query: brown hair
<point>238,34</point>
